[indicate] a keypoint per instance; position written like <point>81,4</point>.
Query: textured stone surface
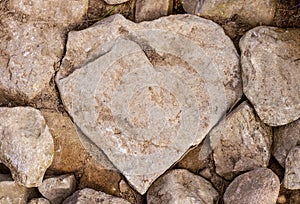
<point>52,12</point>
<point>257,186</point>
<point>146,10</point>
<point>93,197</point>
<point>134,108</point>
<point>57,188</point>
<point>254,12</point>
<point>11,192</point>
<point>181,186</point>
<point>271,73</point>
<point>26,146</point>
<point>285,138</point>
<point>241,143</point>
<point>39,201</point>
<point>115,1</point>
<point>29,56</point>
<point>292,169</point>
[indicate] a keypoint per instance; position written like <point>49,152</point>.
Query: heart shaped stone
<point>145,93</point>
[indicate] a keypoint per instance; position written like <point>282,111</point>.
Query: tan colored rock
<point>254,12</point>
<point>26,146</point>
<point>257,186</point>
<point>241,143</point>
<point>30,52</point>
<point>147,10</point>
<point>54,12</point>
<point>134,107</point>
<point>93,197</point>
<point>12,192</point>
<point>39,201</point>
<point>292,169</point>
<point>271,73</point>
<point>115,1</point>
<point>181,186</point>
<point>57,188</point>
<point>285,138</point>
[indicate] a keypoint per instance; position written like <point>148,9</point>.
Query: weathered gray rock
<point>29,56</point>
<point>12,192</point>
<point>241,143</point>
<point>39,201</point>
<point>53,12</point>
<point>26,146</point>
<point>285,138</point>
<point>143,100</point>
<point>115,1</point>
<point>181,186</point>
<point>93,197</point>
<point>271,73</point>
<point>292,169</point>
<point>57,188</point>
<point>257,186</point>
<point>146,10</point>
<point>254,12</point>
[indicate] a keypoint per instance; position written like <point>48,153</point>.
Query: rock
<point>285,138</point>
<point>147,10</point>
<point>115,1</point>
<point>29,56</point>
<point>134,110</point>
<point>181,186</point>
<point>253,12</point>
<point>53,12</point>
<point>273,92</point>
<point>26,146</point>
<point>93,197</point>
<point>57,188</point>
<point>39,201</point>
<point>12,192</point>
<point>241,143</point>
<point>292,169</point>
<point>257,186</point>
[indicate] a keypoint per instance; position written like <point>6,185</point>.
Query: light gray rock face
<point>93,197</point>
<point>181,186</point>
<point>271,73</point>
<point>292,169</point>
<point>253,12</point>
<point>285,138</point>
<point>146,10</point>
<point>30,52</point>
<point>144,93</point>
<point>257,186</point>
<point>39,201</point>
<point>26,146</point>
<point>53,12</point>
<point>12,192</point>
<point>56,189</point>
<point>115,1</point>
<point>241,143</point>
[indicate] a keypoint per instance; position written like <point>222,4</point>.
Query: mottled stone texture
<point>144,93</point>
<point>292,169</point>
<point>115,1</point>
<point>26,146</point>
<point>271,73</point>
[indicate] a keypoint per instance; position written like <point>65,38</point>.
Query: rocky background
<point>51,58</point>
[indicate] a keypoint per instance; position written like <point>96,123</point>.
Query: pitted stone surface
<point>29,53</point>
<point>285,138</point>
<point>54,11</point>
<point>271,73</point>
<point>91,196</point>
<point>241,143</point>
<point>115,1</point>
<point>292,169</point>
<point>181,186</point>
<point>39,201</point>
<point>254,12</point>
<point>26,146</point>
<point>144,93</point>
